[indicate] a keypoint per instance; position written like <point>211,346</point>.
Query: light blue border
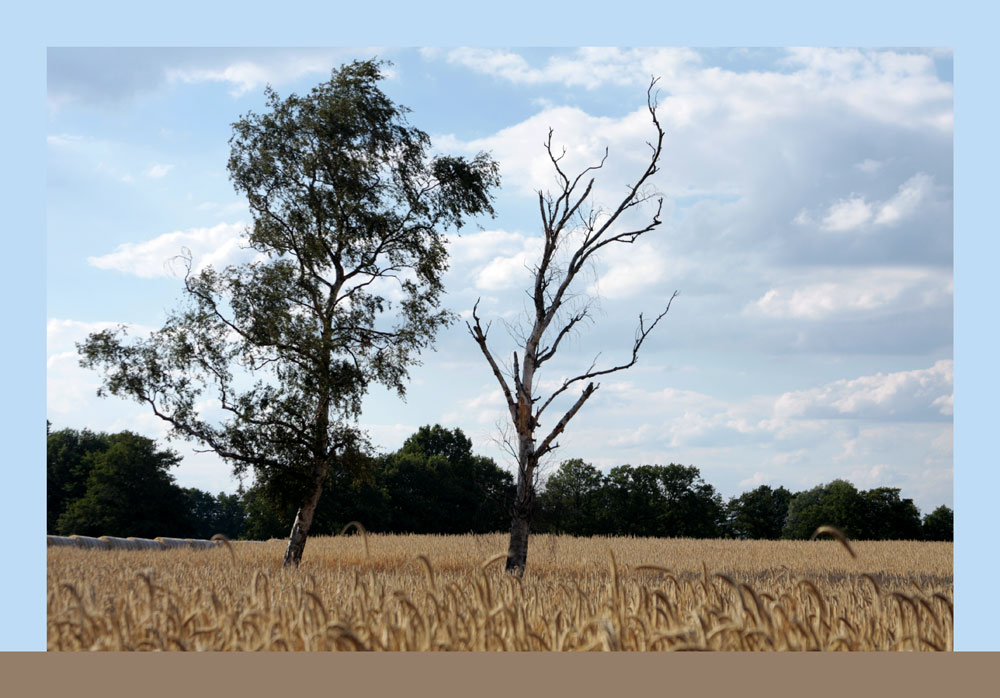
<point>965,26</point>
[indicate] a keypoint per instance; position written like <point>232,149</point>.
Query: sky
<point>807,227</point>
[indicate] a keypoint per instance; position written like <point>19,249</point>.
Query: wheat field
<point>422,592</point>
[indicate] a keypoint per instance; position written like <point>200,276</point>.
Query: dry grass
<point>449,593</point>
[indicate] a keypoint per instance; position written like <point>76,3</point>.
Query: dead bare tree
<point>574,231</point>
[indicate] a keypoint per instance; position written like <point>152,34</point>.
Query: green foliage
<point>264,520</point>
<point>759,513</point>
<point>876,514</point>
<point>433,484</point>
<point>436,484</point>
<point>128,493</point>
<point>573,500</point>
<point>939,524</point>
<point>648,500</point>
<point>223,513</point>
<point>119,484</point>
<point>835,504</point>
<point>69,460</point>
<point>885,516</point>
<point>348,214</point>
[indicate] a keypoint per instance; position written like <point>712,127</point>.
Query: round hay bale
<point>90,542</point>
<point>116,543</point>
<point>147,544</point>
<point>199,544</point>
<point>60,541</point>
<point>172,543</point>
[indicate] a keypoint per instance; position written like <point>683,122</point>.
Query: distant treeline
<point>119,484</point>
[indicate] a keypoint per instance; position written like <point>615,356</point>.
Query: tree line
<point>120,484</point>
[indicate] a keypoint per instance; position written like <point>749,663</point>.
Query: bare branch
<point>547,444</point>
<point>480,336</point>
<point>547,353</point>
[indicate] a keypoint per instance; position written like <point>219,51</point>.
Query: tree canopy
<point>128,490</point>
<point>939,524</point>
<point>759,513</point>
<point>349,213</point>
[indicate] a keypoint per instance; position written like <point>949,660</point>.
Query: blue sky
<point>808,228</point>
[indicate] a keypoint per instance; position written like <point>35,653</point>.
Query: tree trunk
<point>520,523</point>
<point>517,551</point>
<point>303,520</point>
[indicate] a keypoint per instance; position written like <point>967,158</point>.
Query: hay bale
<point>202,544</point>
<point>60,541</point>
<point>116,543</point>
<point>147,544</point>
<point>172,543</point>
<point>90,542</point>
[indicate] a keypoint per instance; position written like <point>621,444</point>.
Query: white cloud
<point>487,407</point>
<point>877,475</point>
<point>632,269</point>
<point>158,171</point>
<point>61,334</point>
<point>893,87</point>
<point>918,395</point>
<point>803,218</point>
<point>114,172</point>
<point>755,481</point>
<point>388,437</point>
<point>245,75</point>
<point>511,257</point>
<point>70,389</point>
<point>887,86</point>
<point>525,164</point>
<point>589,67</point>
<point>906,201</point>
<point>869,165</point>
<point>848,214</point>
<point>484,245</point>
<point>857,213</point>
<point>505,272</point>
<point>218,245</point>
<point>851,290</point>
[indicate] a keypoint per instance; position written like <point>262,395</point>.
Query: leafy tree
<point>634,501</point>
<point>348,212</point>
<point>887,517</point>
<point>835,504</point>
<point>574,230</point>
<point>129,493</point>
<point>657,500</point>
<point>223,514</point>
<point>412,483</point>
<point>939,524</point>
<point>230,516</point>
<point>759,513</point>
<point>69,460</point>
<point>437,485</point>
<point>572,501</point>
<point>265,519</point>
<point>693,508</point>
<point>350,495</point>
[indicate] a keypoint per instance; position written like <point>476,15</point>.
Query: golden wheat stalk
<point>835,532</point>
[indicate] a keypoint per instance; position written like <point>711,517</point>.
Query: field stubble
<point>413,592</point>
